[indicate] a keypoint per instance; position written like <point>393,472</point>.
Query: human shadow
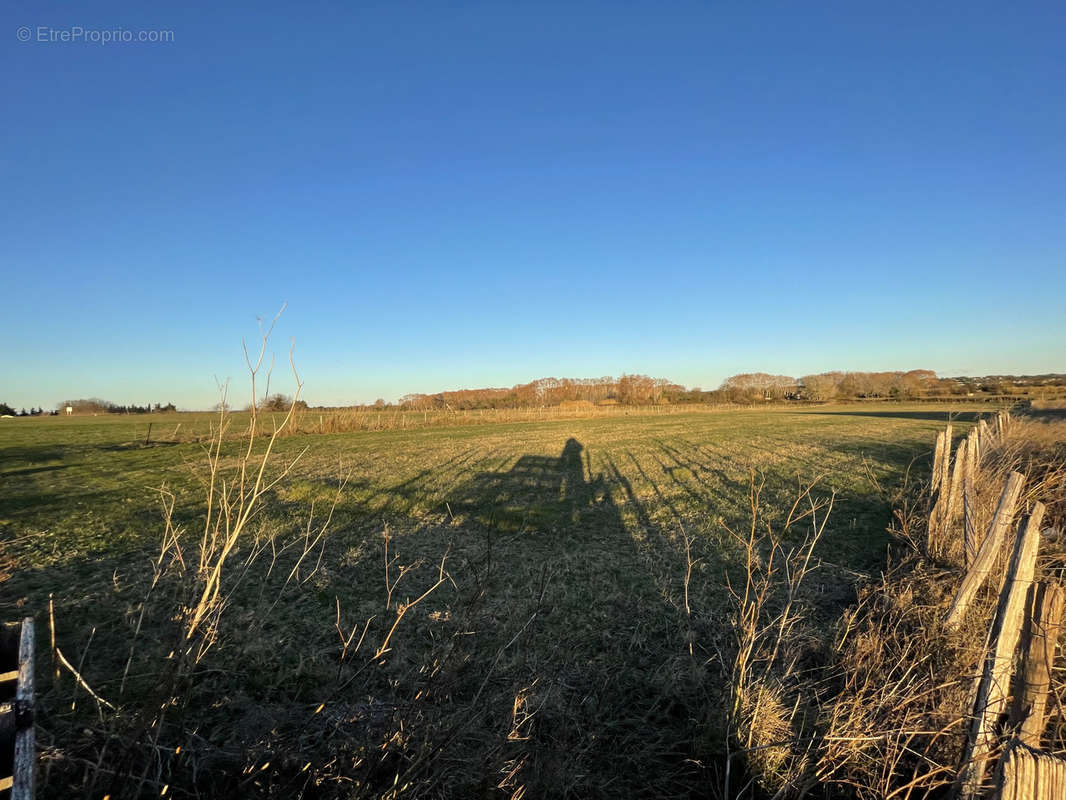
<point>573,574</point>
<point>538,493</point>
<point>606,644</point>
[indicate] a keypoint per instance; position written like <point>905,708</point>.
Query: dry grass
<point>885,712</point>
<point>897,725</point>
<point>177,723</point>
<point>574,642</point>
<point>773,704</point>
<point>350,420</point>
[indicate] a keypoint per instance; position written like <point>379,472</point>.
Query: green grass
<point>574,524</point>
<point>85,486</point>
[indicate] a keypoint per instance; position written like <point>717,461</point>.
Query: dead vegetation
<point>216,693</point>
<point>453,681</point>
<point>209,700</point>
<point>887,714</point>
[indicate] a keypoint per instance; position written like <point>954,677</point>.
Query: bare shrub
<point>897,724</point>
<point>772,701</point>
<point>886,715</point>
<point>215,692</point>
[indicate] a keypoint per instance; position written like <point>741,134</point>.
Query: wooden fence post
<point>970,544</point>
<point>984,433</point>
<point>942,485</point>
<point>1039,640</point>
<point>16,713</point>
<point>1003,640</point>
<point>956,484</point>
<point>947,446</point>
<point>938,461</point>
<point>986,556</point>
<point>1029,775</point>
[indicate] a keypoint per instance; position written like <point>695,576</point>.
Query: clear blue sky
<point>455,195</point>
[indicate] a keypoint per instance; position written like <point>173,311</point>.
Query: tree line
<point>915,383</point>
<point>625,390</point>
<point>94,405</point>
<point>746,388</point>
<point>640,390</point>
<point>8,411</point>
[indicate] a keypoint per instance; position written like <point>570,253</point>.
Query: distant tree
<point>880,384</point>
<point>280,402</point>
<point>276,402</point>
<point>855,384</point>
<point>820,387</point>
<point>635,390</point>
<point>915,383</point>
<point>416,402</point>
<point>87,405</point>
<point>750,387</point>
<point>5,409</point>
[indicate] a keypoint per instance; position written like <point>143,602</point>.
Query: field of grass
<point>562,629</point>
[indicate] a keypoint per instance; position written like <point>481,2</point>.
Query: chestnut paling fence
<point>1002,756</point>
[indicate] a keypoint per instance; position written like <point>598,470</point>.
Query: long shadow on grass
<point>21,473</point>
<point>1046,414</point>
<point>580,629</point>
<point>620,711</point>
<point>934,416</point>
<point>856,533</point>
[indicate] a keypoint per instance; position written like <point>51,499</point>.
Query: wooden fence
<point>1023,630</point>
<point>16,710</point>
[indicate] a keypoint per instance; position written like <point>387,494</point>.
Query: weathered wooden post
<point>938,461</point>
<point>947,451</point>
<point>956,484</point>
<point>1031,775</point>
<point>970,543</point>
<point>942,485</point>
<point>1003,639</point>
<point>16,708</point>
<point>986,556</point>
<point>984,434</point>
<point>1039,641</point>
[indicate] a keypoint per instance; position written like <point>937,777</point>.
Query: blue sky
<point>454,195</point>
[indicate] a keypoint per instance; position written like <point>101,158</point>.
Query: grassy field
<point>561,631</point>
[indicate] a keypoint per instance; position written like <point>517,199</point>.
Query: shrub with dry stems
<point>773,701</point>
<point>217,694</point>
<point>886,715</point>
<point>897,725</point>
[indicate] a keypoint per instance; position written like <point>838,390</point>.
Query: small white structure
<point>70,410</point>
